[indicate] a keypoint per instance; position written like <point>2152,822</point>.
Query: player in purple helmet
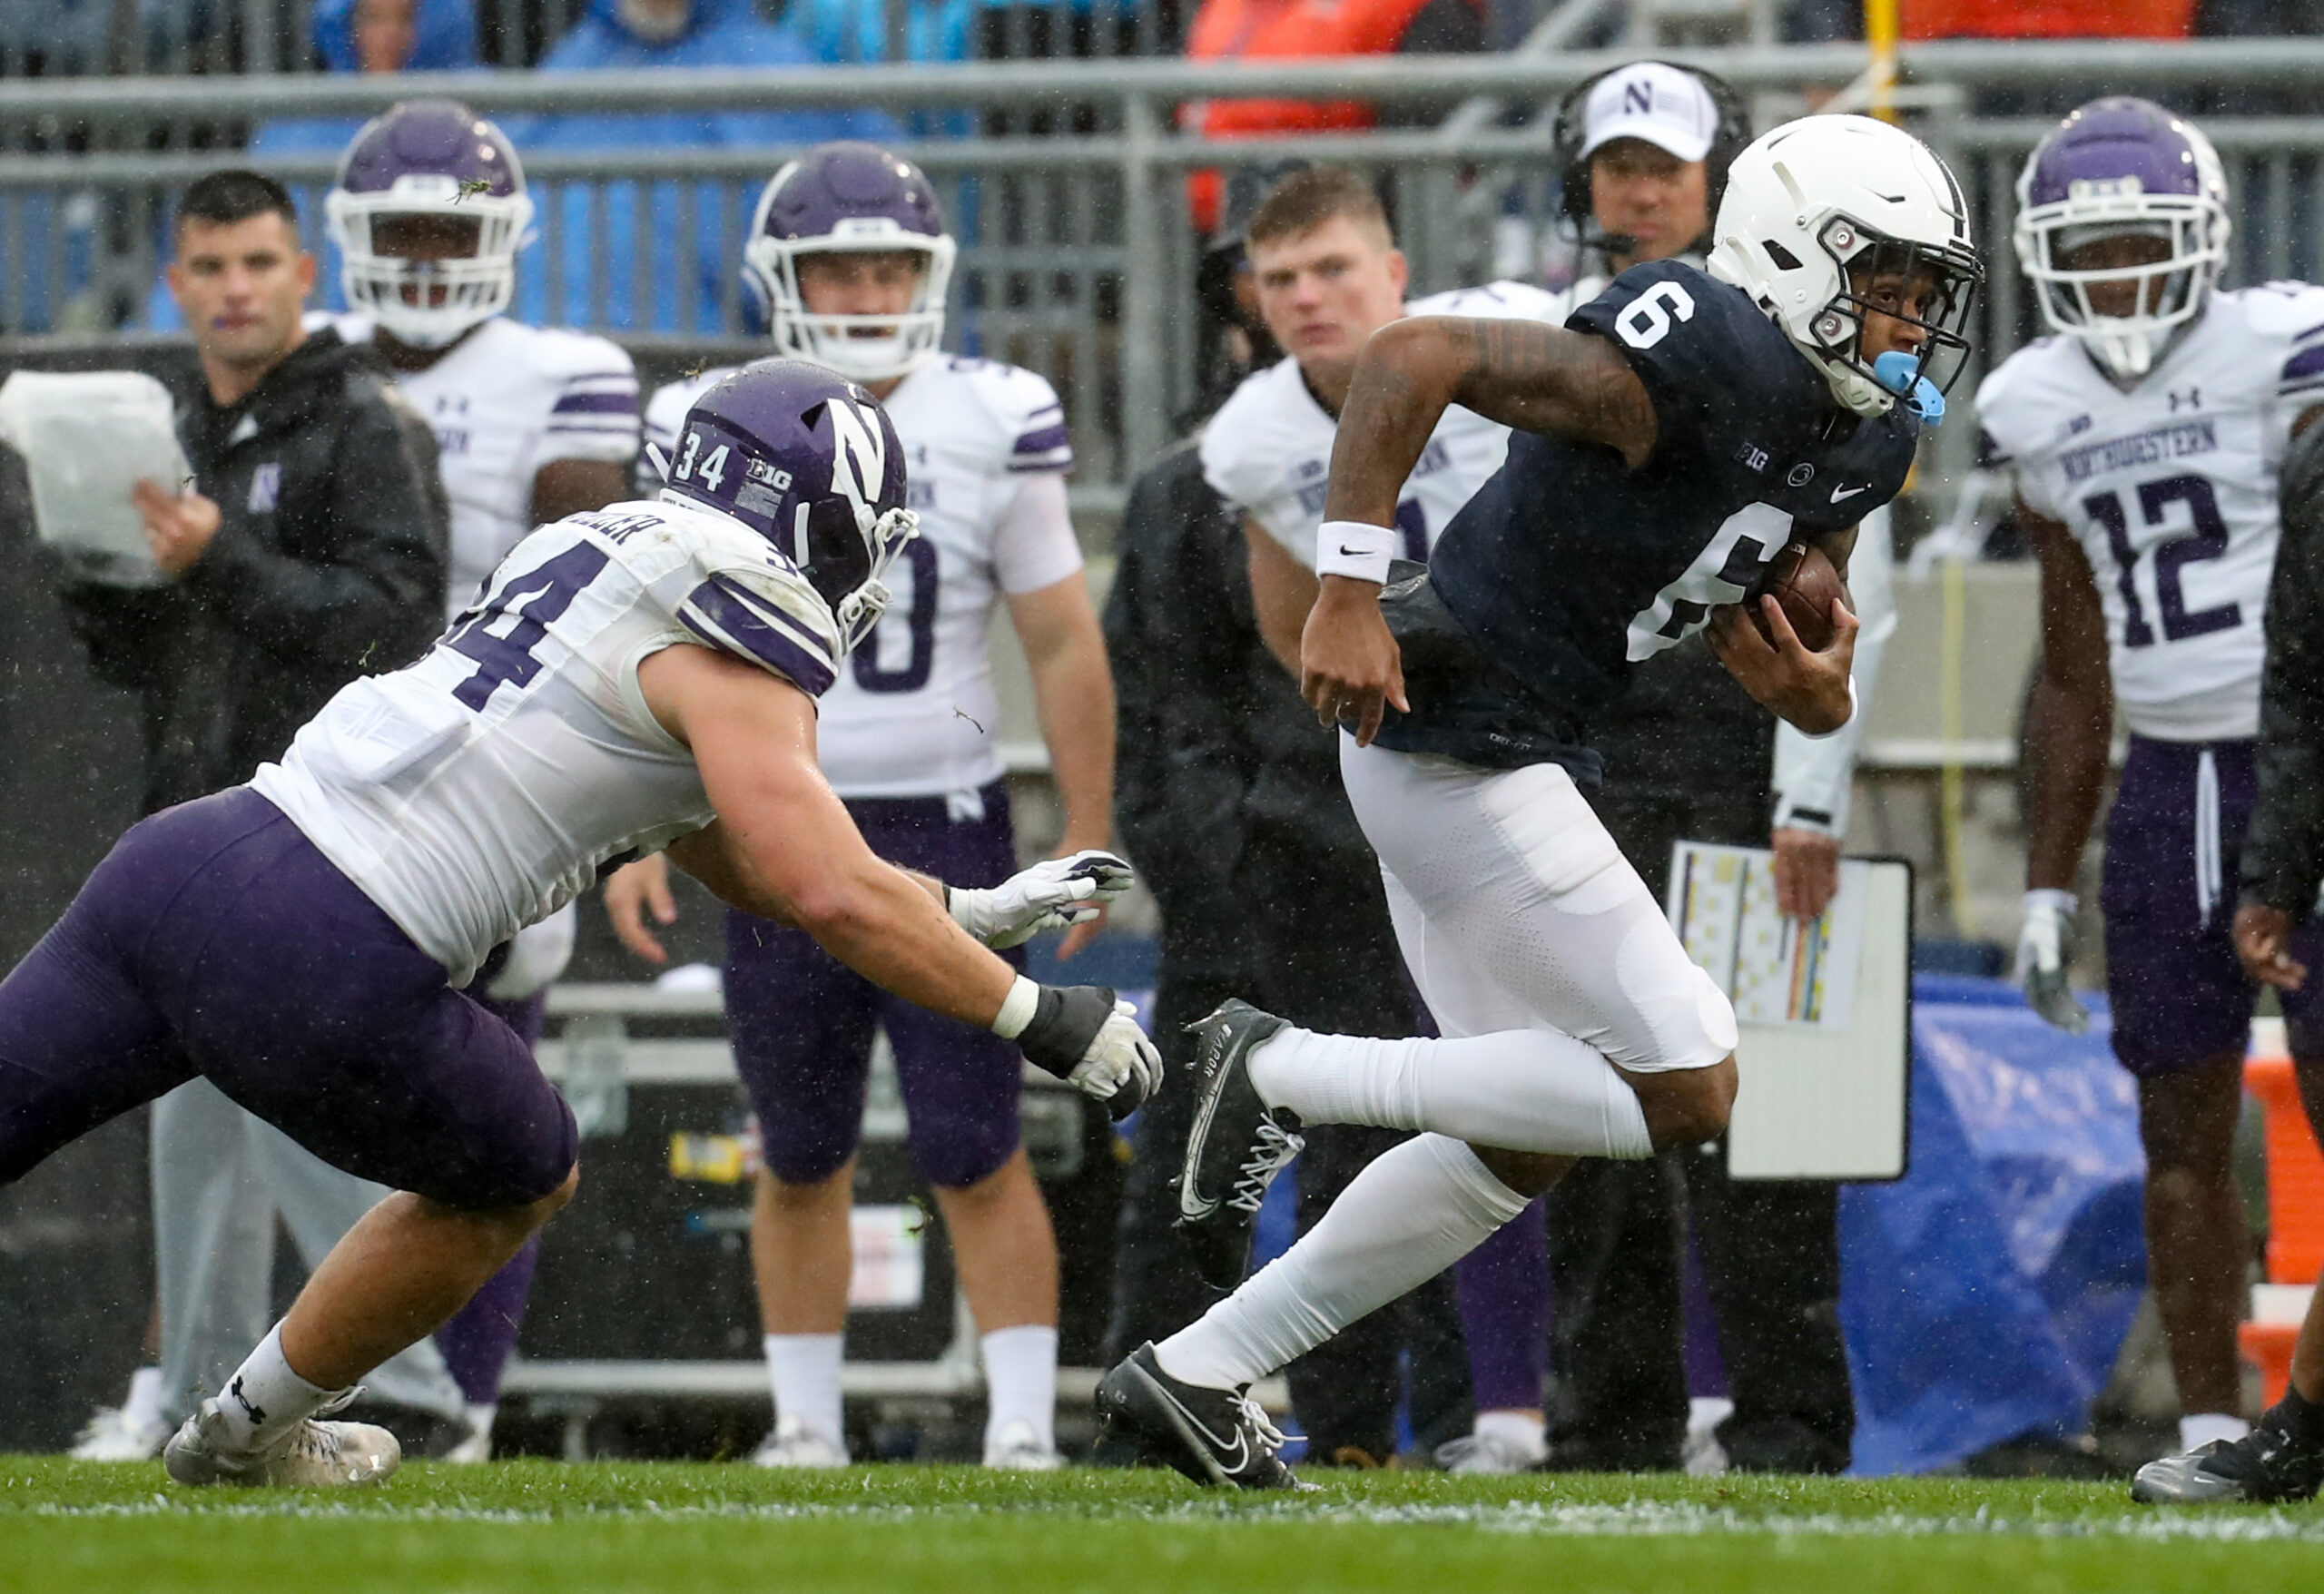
<point>849,258</point>
<point>639,678</point>
<point>531,424</point>
<point>2144,439</point>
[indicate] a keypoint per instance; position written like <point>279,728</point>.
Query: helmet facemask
<point>845,552</point>
<point>1947,278</point>
<point>862,348</point>
<point>429,303</point>
<point>2189,234</point>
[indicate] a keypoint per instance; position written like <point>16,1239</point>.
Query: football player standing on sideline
<point>849,256</point>
<point>1686,426</point>
<point>2144,436</point>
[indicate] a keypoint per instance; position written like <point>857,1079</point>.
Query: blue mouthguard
<point>1899,372</point>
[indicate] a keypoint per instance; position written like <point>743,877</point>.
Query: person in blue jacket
<point>349,35</point>
<point>647,282</point>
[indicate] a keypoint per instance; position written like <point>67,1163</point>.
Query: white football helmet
<point>2122,165</point>
<point>849,198</point>
<point>1824,200</point>
<point>430,158</point>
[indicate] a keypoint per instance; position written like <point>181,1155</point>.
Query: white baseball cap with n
<point>1666,107</point>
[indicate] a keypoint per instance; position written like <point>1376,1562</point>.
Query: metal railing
<point>1078,257</point>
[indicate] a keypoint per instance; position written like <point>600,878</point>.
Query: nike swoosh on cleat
<point>1191,1205</point>
<point>1840,493</point>
<point>1242,1445</point>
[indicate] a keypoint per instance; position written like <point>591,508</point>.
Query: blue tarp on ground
<point>1985,1294</point>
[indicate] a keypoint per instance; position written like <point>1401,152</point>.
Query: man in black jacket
<point>309,548</point>
<point>2279,940</point>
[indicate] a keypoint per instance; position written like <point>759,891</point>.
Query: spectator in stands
<point>1252,29</point>
<point>646,266</point>
<point>2048,19</point>
<point>854,32</point>
<point>349,35</point>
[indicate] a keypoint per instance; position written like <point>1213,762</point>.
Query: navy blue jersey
<point>1568,569</point>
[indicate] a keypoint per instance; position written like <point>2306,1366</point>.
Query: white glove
<point>1121,1065</point>
<point>2045,953</point>
<point>1052,895</point>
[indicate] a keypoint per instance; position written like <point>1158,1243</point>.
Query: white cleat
<point>478,1446</point>
<point>113,1434</point>
<point>794,1445</point>
<point>314,1455</point>
<point>1488,1455</point>
<point>1018,1448</point>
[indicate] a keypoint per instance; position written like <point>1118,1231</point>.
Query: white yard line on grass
<point>1643,1519</point>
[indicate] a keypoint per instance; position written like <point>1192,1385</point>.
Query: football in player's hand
<point>1803,580</point>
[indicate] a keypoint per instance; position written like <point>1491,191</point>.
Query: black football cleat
<point>1236,1147</point>
<point>1215,1436</point>
<point>2265,1467</point>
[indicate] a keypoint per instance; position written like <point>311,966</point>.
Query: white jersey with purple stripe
<point>1268,450</point>
<point>914,714</point>
<point>504,401</point>
<point>2171,489</point>
<point>482,788</point>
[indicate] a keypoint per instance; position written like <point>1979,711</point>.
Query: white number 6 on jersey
<point>1646,323</point>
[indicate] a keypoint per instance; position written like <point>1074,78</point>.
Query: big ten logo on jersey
<point>1721,573</point>
<point>447,417</point>
<point>920,482</point>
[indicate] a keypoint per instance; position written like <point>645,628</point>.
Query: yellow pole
<point>1880,33</point>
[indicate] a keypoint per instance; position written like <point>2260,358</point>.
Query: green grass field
<point>567,1529</point>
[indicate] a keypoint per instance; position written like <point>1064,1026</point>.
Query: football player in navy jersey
<point>1671,439</point>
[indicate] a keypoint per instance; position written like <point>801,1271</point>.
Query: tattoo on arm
<point>1543,378</point>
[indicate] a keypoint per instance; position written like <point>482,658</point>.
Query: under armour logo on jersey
<point>859,455</point>
<point>266,488</point>
<point>2192,398</point>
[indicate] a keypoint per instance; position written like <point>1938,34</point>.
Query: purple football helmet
<point>2123,167</point>
<point>841,198</point>
<point>812,463</point>
<point>435,159</point>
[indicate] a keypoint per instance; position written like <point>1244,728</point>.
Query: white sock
<point>264,1399</point>
<point>2200,1429</point>
<point>1416,1211</point>
<point>481,1415</point>
<point>1527,1089</point>
<point>1020,1380</point>
<point>1520,1431</point>
<point>804,1371</point>
<point>143,1409</point>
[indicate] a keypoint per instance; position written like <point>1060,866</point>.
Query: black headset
<point>1567,132</point>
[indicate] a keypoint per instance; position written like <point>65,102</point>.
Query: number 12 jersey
<point>2169,488</point>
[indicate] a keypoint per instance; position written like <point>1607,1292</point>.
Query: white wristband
<point>1017,1009</point>
<point>2050,897</point>
<point>1352,548</point>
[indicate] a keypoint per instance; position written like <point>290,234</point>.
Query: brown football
<point>1803,580</point>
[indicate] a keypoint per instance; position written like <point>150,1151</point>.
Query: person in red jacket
<point>1251,29</point>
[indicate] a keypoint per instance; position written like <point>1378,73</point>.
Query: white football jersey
<point>914,713</point>
<point>1268,450</point>
<point>486,785</point>
<point>508,399</point>
<point>2171,490</point>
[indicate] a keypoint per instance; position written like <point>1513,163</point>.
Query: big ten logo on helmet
<point>761,489</point>
<point>860,452</point>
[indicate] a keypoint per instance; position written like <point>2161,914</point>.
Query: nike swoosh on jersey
<point>1839,494</point>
